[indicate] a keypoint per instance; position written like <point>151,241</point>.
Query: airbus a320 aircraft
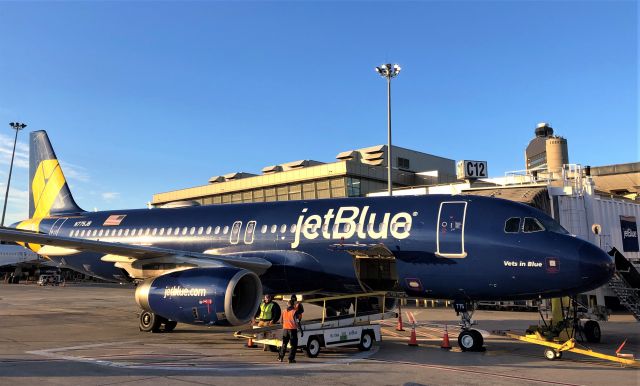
<point>210,264</point>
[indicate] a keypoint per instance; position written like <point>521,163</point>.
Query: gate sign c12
<point>471,169</point>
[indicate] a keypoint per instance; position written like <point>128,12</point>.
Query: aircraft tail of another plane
<point>49,193</point>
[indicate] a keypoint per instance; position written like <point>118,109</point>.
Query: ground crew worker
<point>290,325</point>
<point>268,314</point>
<point>297,305</point>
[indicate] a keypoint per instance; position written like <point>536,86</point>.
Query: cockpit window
<point>553,226</point>
<point>512,225</point>
<point>532,225</point>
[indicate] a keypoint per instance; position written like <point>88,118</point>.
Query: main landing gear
<point>468,339</point>
<point>150,322</point>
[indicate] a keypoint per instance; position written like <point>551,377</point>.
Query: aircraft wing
<point>131,251</point>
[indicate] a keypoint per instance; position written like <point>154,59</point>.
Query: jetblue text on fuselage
<point>350,221</point>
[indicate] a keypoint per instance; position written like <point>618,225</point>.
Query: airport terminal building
<point>355,173</point>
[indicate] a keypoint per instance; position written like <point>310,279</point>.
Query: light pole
<point>17,126</point>
<point>388,71</point>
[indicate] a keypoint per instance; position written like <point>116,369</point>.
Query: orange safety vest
<point>288,319</point>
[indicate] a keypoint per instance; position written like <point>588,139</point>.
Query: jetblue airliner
<point>210,264</point>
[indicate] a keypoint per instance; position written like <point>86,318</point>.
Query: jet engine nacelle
<point>210,296</point>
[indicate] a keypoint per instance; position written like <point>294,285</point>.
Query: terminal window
<point>403,163</point>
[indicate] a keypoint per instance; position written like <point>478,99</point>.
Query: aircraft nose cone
<point>596,266</point>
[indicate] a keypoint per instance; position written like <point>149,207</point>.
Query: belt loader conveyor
<point>355,330</point>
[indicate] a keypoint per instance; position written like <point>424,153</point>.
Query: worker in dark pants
<point>290,324</point>
<point>268,314</point>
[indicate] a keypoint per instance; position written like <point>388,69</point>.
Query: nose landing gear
<point>469,339</point>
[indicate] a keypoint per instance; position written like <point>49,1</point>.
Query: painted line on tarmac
<point>458,370</point>
<point>57,353</point>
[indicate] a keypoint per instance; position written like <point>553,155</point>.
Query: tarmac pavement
<point>88,335</point>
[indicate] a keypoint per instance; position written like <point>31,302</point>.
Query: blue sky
<point>140,98</point>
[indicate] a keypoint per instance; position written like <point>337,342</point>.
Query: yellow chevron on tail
<point>47,182</point>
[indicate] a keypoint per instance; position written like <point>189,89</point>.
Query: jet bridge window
<point>532,225</point>
<point>512,225</point>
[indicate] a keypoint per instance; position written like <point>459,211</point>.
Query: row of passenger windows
<point>529,225</point>
<point>177,231</point>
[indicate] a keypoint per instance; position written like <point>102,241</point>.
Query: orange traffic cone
<point>399,326</point>
<point>413,342</point>
<point>250,344</point>
<point>445,340</point>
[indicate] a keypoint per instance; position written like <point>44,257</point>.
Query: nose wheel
<point>470,340</point>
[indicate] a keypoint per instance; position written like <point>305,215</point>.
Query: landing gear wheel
<point>366,342</point>
<point>466,340</point>
<point>150,322</point>
<point>170,325</point>
<point>558,354</point>
<point>313,347</point>
<point>550,354</point>
<point>479,340</point>
<point>592,331</point>
<point>470,340</point>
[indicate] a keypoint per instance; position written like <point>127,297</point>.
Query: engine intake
<point>211,296</point>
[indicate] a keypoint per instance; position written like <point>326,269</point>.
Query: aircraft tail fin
<point>49,192</point>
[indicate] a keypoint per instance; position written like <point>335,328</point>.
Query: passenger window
<point>532,225</point>
<point>140,231</point>
<point>155,230</point>
<point>293,228</point>
<point>82,233</point>
<point>126,232</point>
<point>184,231</point>
<point>146,232</point>
<point>347,227</point>
<point>283,228</point>
<point>161,231</point>
<point>119,232</point>
<point>71,233</point>
<point>133,232</point>
<point>169,231</point>
<point>176,231</point>
<point>225,230</point>
<point>95,232</point>
<point>217,229</point>
<point>200,230</point>
<point>209,230</point>
<point>192,231</point>
<point>263,229</point>
<point>512,225</point>
<point>101,232</point>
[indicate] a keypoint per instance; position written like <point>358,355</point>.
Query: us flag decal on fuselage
<point>114,220</point>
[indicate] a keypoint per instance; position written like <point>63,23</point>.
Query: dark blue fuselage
<point>435,246</point>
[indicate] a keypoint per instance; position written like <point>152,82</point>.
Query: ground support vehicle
<point>352,330</point>
<point>554,350</point>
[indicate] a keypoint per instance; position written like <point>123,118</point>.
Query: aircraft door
<point>450,230</point>
<point>249,232</point>
<point>235,232</point>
